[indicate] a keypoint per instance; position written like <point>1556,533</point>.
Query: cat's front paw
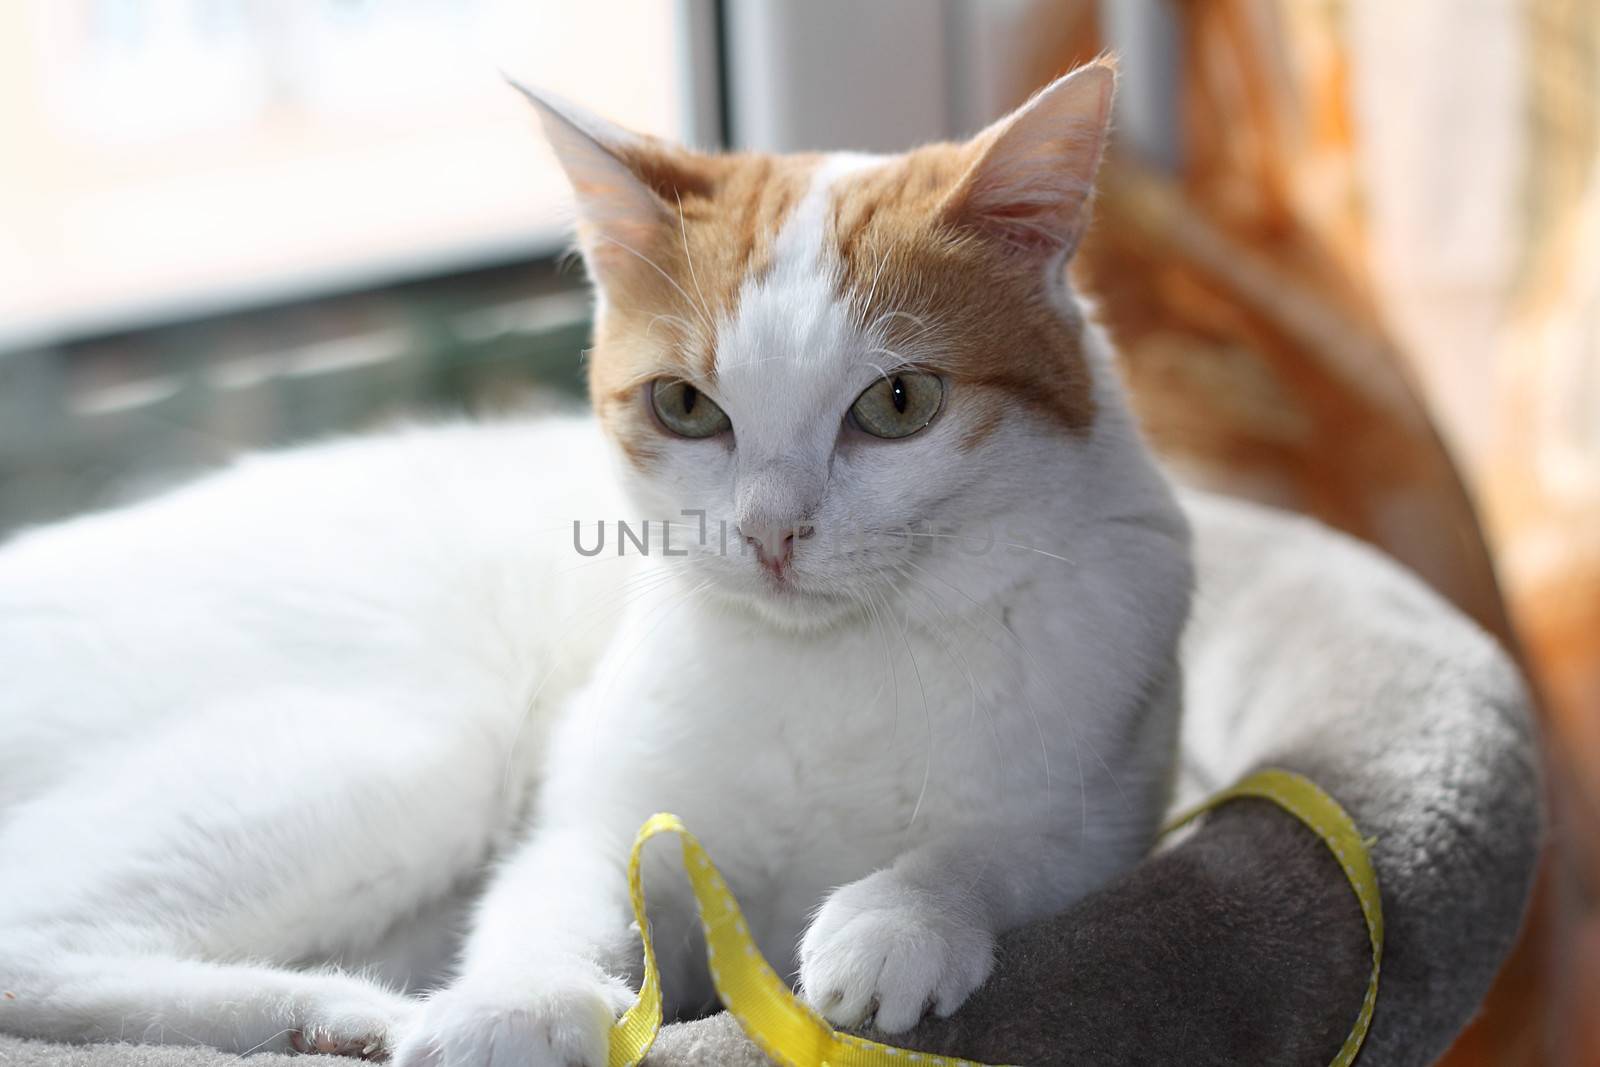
<point>349,1018</point>
<point>560,1019</point>
<point>880,949</point>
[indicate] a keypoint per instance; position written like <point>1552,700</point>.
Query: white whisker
<point>653,265</point>
<point>927,718</point>
<point>683,230</point>
<point>901,534</point>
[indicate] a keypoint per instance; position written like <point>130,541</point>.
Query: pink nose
<point>774,545</point>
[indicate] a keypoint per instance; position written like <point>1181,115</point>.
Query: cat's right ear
<point>1029,188</point>
<point>620,216</point>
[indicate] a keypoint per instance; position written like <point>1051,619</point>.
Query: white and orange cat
<point>902,651</point>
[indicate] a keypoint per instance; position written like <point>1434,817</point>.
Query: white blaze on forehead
<point>792,340</point>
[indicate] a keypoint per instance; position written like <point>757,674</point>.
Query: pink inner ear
<point>1034,194</point>
<point>1031,186</point>
<point>1046,217</point>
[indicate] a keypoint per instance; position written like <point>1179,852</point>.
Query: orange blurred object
<point>1290,337</point>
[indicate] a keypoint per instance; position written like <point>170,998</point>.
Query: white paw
<point>561,1020</point>
<point>360,1022</point>
<point>880,949</point>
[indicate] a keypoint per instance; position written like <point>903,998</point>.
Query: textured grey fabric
<point>1242,943</point>
<point>17,1053</point>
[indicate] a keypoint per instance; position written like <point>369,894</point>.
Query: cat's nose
<point>776,503</point>
<point>774,544</point>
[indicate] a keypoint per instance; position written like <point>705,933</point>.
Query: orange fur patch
<point>723,213</point>
<point>979,308</point>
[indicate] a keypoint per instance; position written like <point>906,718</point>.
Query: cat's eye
<point>898,405</point>
<point>685,410</point>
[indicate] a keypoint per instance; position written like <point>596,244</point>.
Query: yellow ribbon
<point>1302,798</point>
<point>789,1032</point>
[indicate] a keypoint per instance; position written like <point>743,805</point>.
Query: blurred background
<point>1350,250</point>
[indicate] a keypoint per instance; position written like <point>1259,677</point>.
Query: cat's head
<point>820,351</point>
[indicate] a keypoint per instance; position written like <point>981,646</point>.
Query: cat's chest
<point>852,742</point>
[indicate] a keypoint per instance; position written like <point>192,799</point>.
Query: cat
<point>888,614</point>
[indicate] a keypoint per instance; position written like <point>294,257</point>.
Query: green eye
<point>685,410</point>
<point>898,405</point>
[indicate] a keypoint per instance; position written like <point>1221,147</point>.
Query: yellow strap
<point>791,1033</point>
<point>1302,798</point>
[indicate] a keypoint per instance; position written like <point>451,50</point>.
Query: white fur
<point>285,717</point>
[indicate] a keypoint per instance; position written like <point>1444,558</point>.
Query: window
<point>235,224</point>
<point>166,157</point>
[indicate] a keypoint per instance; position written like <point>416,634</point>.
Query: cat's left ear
<point>1031,183</point>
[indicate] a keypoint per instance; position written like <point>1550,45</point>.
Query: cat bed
<point>1241,941</point>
